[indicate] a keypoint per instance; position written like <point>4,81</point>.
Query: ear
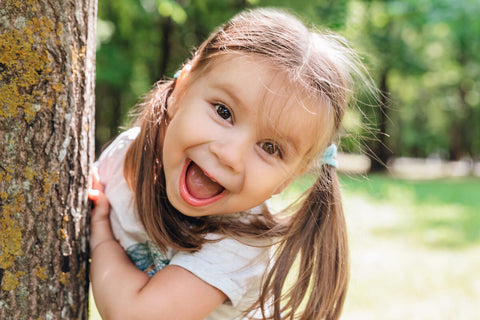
<point>177,90</point>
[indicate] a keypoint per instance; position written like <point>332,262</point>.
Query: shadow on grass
<point>438,213</point>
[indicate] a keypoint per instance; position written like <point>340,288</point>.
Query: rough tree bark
<point>47,71</point>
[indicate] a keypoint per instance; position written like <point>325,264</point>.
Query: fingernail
<point>93,192</point>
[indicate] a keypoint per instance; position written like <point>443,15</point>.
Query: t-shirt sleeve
<point>111,160</point>
<point>126,226</point>
<point>233,267</point>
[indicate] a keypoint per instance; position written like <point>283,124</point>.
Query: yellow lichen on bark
<point>62,233</point>
<point>41,273</point>
<point>82,274</point>
<point>24,65</point>
<point>77,55</point>
<point>10,280</point>
<point>64,278</point>
<point>49,180</point>
<point>10,232</point>
<point>10,241</point>
<point>25,68</point>
<point>29,173</point>
<point>29,4</point>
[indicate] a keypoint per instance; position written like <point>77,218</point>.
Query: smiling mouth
<point>197,188</point>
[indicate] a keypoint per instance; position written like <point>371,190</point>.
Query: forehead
<point>281,109</point>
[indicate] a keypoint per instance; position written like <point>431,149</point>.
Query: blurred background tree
<point>423,55</point>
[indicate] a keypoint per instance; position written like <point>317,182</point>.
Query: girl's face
<point>237,136</point>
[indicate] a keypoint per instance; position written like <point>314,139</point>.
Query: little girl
<point>180,229</point>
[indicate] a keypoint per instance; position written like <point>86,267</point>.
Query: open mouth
<point>197,188</point>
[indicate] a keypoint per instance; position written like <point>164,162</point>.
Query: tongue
<point>199,185</point>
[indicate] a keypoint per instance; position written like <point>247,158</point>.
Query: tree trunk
<point>47,72</point>
<point>167,28</point>
<point>380,150</point>
<point>461,121</point>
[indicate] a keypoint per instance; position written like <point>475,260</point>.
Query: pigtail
<point>316,242</point>
<point>141,160</point>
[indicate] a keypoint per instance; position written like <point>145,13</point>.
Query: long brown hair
<point>321,65</point>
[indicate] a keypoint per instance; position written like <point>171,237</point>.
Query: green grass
<point>415,248</point>
<point>438,213</point>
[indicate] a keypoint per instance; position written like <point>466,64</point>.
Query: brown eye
<point>223,111</point>
<point>271,148</point>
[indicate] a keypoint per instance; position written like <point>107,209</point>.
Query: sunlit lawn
<point>415,248</point>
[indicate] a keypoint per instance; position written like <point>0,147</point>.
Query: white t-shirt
<point>229,265</point>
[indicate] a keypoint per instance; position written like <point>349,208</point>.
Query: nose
<point>230,153</point>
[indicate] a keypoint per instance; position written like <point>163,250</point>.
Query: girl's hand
<point>100,223</point>
<point>101,207</point>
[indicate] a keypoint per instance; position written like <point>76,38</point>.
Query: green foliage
<point>427,52</point>
<point>171,9</point>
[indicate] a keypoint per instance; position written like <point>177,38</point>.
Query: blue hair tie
<point>177,74</point>
<point>330,156</point>
<point>185,67</point>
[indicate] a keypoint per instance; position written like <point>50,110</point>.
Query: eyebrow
<point>230,90</point>
<point>290,142</point>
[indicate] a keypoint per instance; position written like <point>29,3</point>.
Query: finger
<point>102,202</point>
<point>96,184</point>
<point>102,205</point>
<point>96,187</point>
<point>93,194</point>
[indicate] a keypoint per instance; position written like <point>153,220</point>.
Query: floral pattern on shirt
<point>147,257</point>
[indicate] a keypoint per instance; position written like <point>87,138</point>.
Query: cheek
<point>265,182</point>
<point>172,105</point>
<point>284,177</point>
<point>172,144</point>
<point>175,100</point>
